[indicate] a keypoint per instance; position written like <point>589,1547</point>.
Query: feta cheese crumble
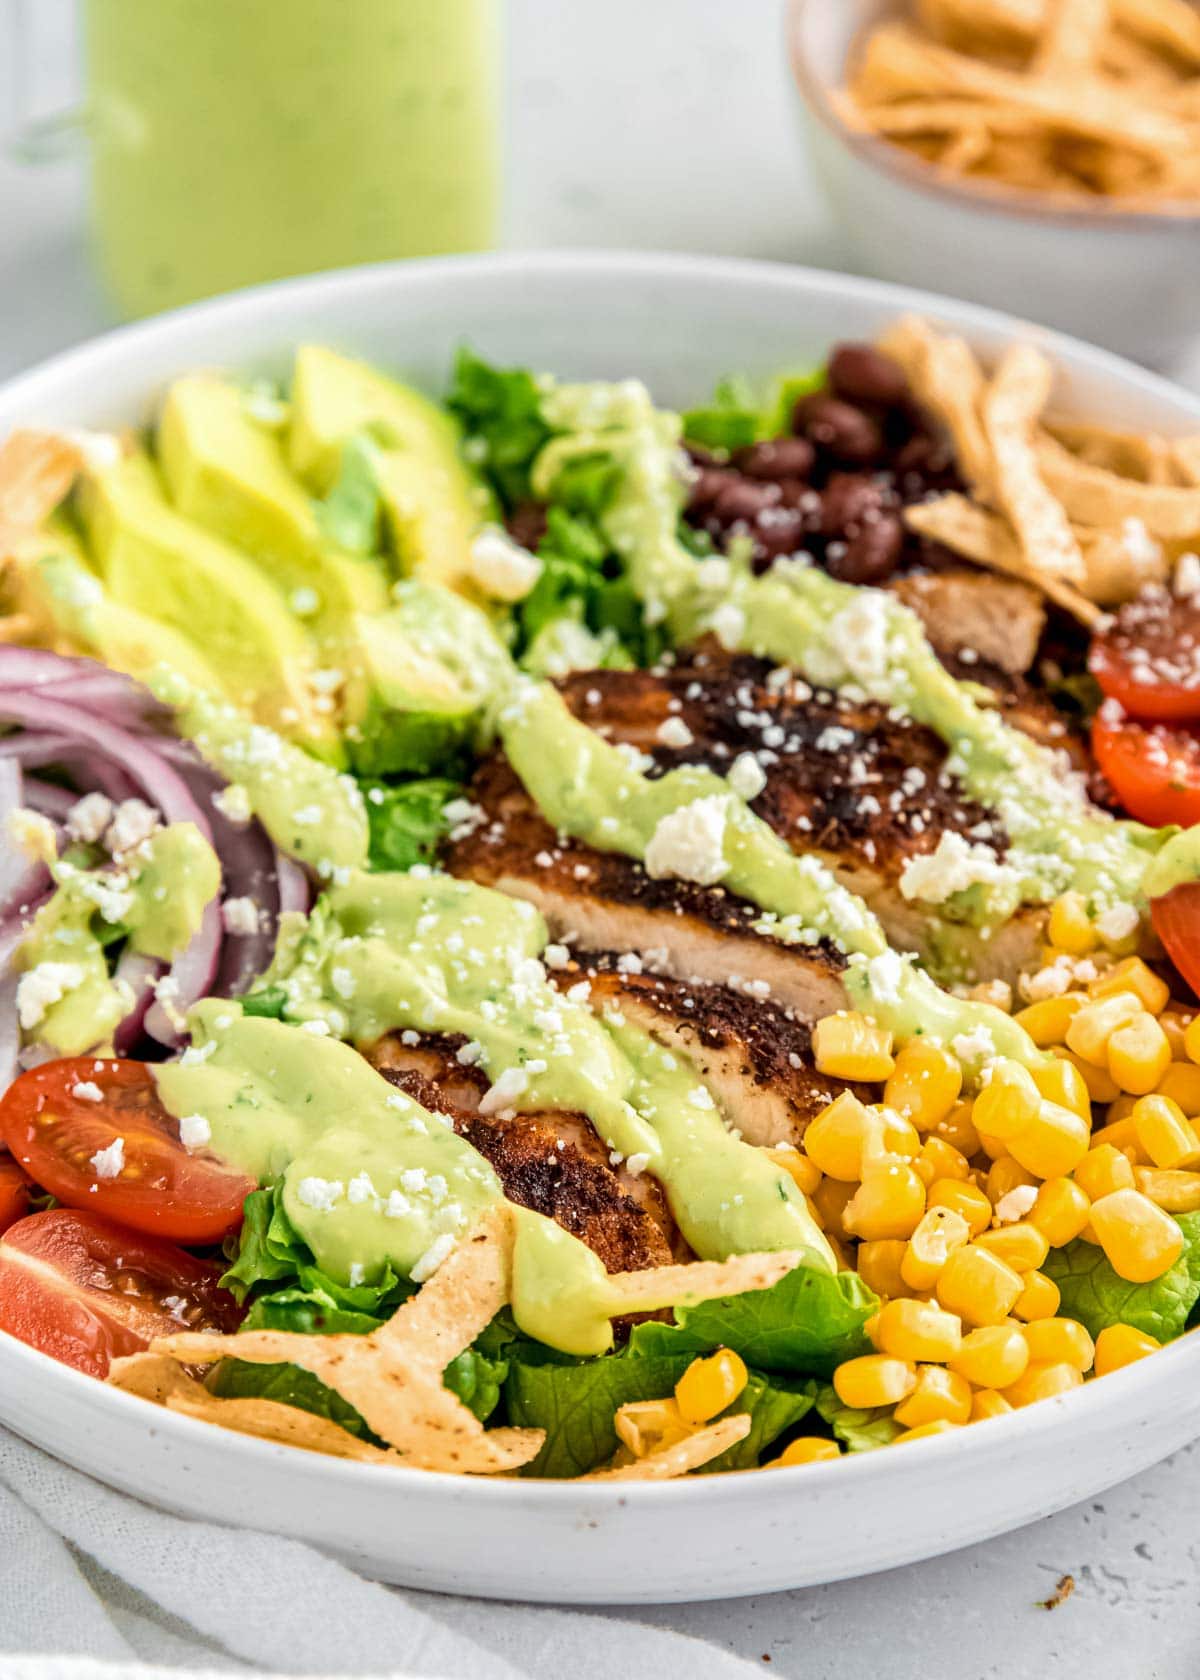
<point>194,1131</point>
<point>689,843</point>
<point>107,1163</point>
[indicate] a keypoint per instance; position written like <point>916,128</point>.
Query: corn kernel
<point>1060,1081</point>
<point>1102,1087</point>
<point>888,1203</point>
<point>830,1199</point>
<point>1042,1382</point>
<point>939,1159</point>
<point>996,1149</point>
<point>936,1426</point>
<point>1174,1192</point>
<point>709,1385</point>
<point>1092,1026</point>
<point>917,1330</point>
<point>1121,1109</point>
<point>986,1403</point>
<point>939,1394</point>
<point>1103,1170</point>
<point>1047,1021</point>
<point>874,1379</point>
<point>645,1425</point>
<point>992,1356</point>
<point>1055,1142</point>
<point>1165,1133</point>
<point>958,1130</point>
<point>1069,927</point>
<point>1118,1345</point>
<point>1004,1175</point>
<point>1191,1039</point>
<point>1061,1211</point>
<point>925,1084</point>
<point>1132,975</point>
<point>1181,1083</point>
<point>1040,1298</point>
<point>836,1138</point>
<point>1122,1134</point>
<point>1054,1341</point>
<point>806,1449</point>
<point>1175,1025</point>
<point>1008,1103</point>
<point>965,1199</point>
<point>879,1266</point>
<point>849,1046</point>
<point>940,1231</point>
<point>977,1286</point>
<point>1021,1246</point>
<point>1139,1240</point>
<point>1139,1055</point>
<point>803,1171</point>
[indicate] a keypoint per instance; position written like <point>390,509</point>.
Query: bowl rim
<point>79,363</point>
<point>1019,203</point>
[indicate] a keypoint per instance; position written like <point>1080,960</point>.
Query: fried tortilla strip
<point>986,539</point>
<point>1094,496</point>
<point>1145,456</point>
<point>1071,37</point>
<point>1172,26</point>
<point>37,470</point>
<point>947,380</point>
<point>156,1377</point>
<point>979,24</point>
<point>667,1463</point>
<point>1185,452</point>
<point>701,1280</point>
<point>1012,404</point>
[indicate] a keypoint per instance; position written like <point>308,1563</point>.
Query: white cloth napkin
<point>96,1586</point>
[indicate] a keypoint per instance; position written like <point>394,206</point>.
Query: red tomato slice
<point>1153,770</point>
<point>14,1193</point>
<point>1176,918</point>
<point>55,1125</point>
<point>86,1292</point>
<point>1149,657</point>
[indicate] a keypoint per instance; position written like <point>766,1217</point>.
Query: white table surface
<point>667,124</point>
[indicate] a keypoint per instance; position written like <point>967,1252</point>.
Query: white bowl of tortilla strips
<point>570,972</point>
<point>1030,155</point>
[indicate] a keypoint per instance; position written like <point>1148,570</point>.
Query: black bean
<point>870,556</point>
<point>776,458</point>
<point>844,432</point>
<point>742,499</point>
<point>708,485</point>
<point>846,500</point>
<point>778,531</point>
<point>861,374</point>
<point>526,524</point>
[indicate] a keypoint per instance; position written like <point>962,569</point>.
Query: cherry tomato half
<point>86,1292</point>
<point>1148,658</point>
<point>1153,770</point>
<point>14,1193</point>
<point>1176,918</point>
<point>57,1118</point>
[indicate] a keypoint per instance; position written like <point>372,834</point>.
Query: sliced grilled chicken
<point>551,1162</point>
<point>756,1056</point>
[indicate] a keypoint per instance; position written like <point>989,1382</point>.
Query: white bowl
<point>1128,280</point>
<point>679,323</point>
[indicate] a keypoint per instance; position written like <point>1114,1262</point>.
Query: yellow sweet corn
<point>936,1426</point>
<point>879,1266</point>
<point>1093,1025</point>
<point>1040,1297</point>
<point>941,1230</point>
<point>888,1203</point>
<point>1103,1170</point>
<point>1008,1103</point>
<point>965,1199</point>
<point>1138,1055</point>
<point>1122,1134</point>
<point>836,1138</point>
<point>1004,1175</point>
<point>1139,1240</point>
<point>1118,1345</point>
<point>1042,1382</point>
<point>986,1403</point>
<point>978,1287</point>
<point>1121,1109</point>
<point>1069,927</point>
<point>1175,1024</point>
<point>1061,1211</point>
<point>1181,1083</point>
<point>993,1356</point>
<point>1132,975</point>
<point>803,1171</point>
<point>1053,1341</point>
<point>958,1130</point>
<point>1054,1143</point>
<point>829,1200</point>
<point>1021,1246</point>
<point>939,1159</point>
<point>874,1379</point>
<point>1173,1191</point>
<point>806,1449</point>
<point>849,1046</point>
<point>1165,1133</point>
<point>709,1385</point>
<point>645,1425</point>
<point>917,1330</point>
<point>1060,1081</point>
<point>938,1394</point>
<point>1191,1039</point>
<point>924,1085</point>
<point>1047,1020</point>
<point>1102,1087</point>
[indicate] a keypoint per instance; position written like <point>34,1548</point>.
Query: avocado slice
<point>231,475</point>
<point>433,503</point>
<point>153,559</point>
<point>429,666</point>
<point>124,638</point>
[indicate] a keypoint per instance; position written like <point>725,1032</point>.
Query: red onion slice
<point>10,1032</point>
<point>295,889</point>
<point>192,974</point>
<point>139,973</point>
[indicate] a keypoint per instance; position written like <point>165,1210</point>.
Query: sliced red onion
<point>49,800</point>
<point>295,888</point>
<point>10,1032</point>
<point>23,879</point>
<point>139,973</point>
<point>191,976</point>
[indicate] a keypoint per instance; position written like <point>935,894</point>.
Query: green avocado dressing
<point>431,953</point>
<point>156,898</point>
<point>1177,864</point>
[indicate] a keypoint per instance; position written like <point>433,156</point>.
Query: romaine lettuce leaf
<point>502,407</point>
<point>1093,1293</point>
<point>858,1431</point>
<point>407,822</point>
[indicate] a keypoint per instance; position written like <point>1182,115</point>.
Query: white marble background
<point>667,124</point>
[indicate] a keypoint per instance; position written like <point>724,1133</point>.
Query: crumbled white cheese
<point>360,1189</point>
<point>510,1085</point>
<point>239,916</point>
<point>673,732</point>
<point>133,822</point>
<point>746,776</point>
<point>556,956</point>
<point>42,987</point>
<point>955,865</point>
<point>233,802</point>
<point>33,834</point>
<point>637,1164</point>
<point>439,1250</point>
<point>107,1163</point>
<point>728,624</point>
<point>304,602</point>
<point>358,1273</point>
<point>1117,923</point>
<point>194,1131</point>
<point>885,973</point>
<point>973,1046</point>
<point>87,1091</point>
<point>320,1194</point>
<point>689,843</point>
<point>501,567</point>
<point>1015,1204</point>
<point>1186,581</point>
<point>89,817</point>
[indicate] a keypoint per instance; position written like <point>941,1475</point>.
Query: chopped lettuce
<point>736,417</point>
<point>406,822</point>
<point>501,407</point>
<point>1093,1293</point>
<point>857,1430</point>
<point>235,1379</point>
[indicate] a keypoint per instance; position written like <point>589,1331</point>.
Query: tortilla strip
<point>1094,496</point>
<point>1145,456</point>
<point>1186,455</point>
<point>37,470</point>
<point>1012,403</point>
<point>946,380</point>
<point>669,1462</point>
<point>935,116</point>
<point>1170,25</point>
<point>699,1280</point>
<point>1071,37</point>
<point>986,539</point>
